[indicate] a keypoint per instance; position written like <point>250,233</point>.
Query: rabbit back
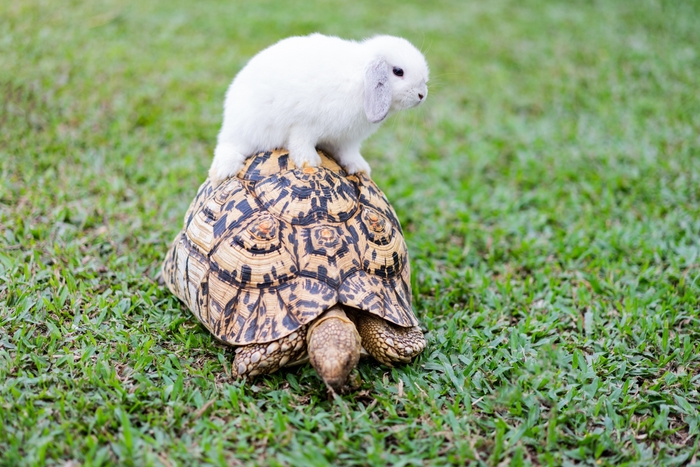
<point>314,83</point>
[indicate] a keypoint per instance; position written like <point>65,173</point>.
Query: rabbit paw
<point>227,163</point>
<point>357,166</point>
<point>305,158</point>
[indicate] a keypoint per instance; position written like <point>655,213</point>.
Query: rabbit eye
<point>398,71</point>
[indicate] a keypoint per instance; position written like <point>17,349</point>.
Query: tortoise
<point>286,262</point>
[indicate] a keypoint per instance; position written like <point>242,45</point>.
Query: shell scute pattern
<point>376,226</point>
<point>384,253</point>
<point>327,254</point>
<point>185,272</point>
<point>306,196</point>
<point>203,194</point>
<point>217,212</point>
<point>387,298</point>
<point>268,251</point>
<point>370,195</point>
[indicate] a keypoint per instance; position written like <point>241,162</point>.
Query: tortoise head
<point>334,347</point>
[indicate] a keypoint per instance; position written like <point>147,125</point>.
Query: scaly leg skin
<point>388,343</point>
<point>228,161</point>
<point>258,359</point>
<point>334,347</point>
<point>302,151</point>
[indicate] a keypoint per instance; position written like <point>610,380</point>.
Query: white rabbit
<point>317,91</point>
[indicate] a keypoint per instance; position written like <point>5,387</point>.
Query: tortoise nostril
<point>420,96</point>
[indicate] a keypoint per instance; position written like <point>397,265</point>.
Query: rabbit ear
<point>377,91</point>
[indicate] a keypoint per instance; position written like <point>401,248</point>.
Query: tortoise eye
<point>398,71</point>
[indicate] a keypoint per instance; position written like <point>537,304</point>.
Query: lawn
<point>549,191</point>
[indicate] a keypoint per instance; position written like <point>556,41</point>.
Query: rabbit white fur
<point>317,91</point>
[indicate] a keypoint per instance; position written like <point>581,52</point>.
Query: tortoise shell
<point>268,251</point>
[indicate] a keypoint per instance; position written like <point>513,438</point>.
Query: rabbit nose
<point>420,96</point>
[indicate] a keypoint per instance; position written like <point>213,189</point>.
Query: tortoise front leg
<point>258,359</point>
<point>387,342</point>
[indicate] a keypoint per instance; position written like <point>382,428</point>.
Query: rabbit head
<point>396,77</point>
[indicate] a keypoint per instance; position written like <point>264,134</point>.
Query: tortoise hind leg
<point>259,359</point>
<point>387,342</point>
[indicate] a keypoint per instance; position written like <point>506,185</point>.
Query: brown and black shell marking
<point>267,252</point>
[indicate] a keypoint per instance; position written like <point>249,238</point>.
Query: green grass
<point>549,191</point>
